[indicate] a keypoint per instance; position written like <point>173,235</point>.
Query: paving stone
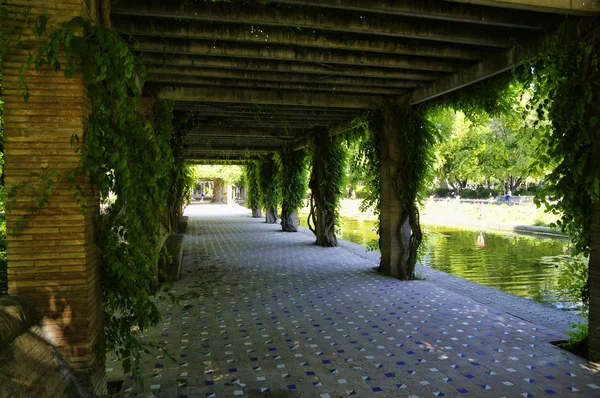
<point>267,313</point>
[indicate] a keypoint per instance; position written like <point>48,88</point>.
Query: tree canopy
<point>230,174</point>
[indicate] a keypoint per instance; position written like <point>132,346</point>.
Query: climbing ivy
<point>294,184</point>
<point>123,153</point>
<point>327,185</point>
<point>181,179</point>
<point>270,188</point>
<point>365,163</point>
<point>563,82</point>
<point>253,195</point>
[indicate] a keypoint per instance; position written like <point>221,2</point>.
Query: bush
<point>485,193</point>
<point>468,194</point>
<point>443,192</point>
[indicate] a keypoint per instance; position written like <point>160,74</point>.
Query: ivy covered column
<point>253,197</point>
<point>53,259</point>
<point>403,149</point>
<point>270,190</point>
<point>294,182</point>
<point>327,186</point>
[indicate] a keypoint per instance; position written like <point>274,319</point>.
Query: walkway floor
<point>267,313</point>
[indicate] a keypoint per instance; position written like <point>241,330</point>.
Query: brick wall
<point>53,260</point>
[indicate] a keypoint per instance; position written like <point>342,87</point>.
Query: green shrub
<point>468,194</point>
<point>485,193</point>
<point>443,192</point>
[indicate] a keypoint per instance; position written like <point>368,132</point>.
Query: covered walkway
<point>267,313</point>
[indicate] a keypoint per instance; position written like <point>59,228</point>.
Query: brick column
<point>54,259</point>
<point>594,321</point>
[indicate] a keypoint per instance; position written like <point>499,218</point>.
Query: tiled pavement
<point>267,313</point>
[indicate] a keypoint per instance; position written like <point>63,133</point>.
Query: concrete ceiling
<point>260,76</point>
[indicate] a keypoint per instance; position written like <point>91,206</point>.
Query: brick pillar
<point>391,209</point>
<point>594,321</point>
<point>54,259</point>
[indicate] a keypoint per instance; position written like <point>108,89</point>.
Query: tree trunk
<point>217,196</point>
<point>290,222</point>
<point>271,215</point>
<point>257,212</point>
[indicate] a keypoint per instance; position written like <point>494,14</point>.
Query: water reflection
<point>523,265</point>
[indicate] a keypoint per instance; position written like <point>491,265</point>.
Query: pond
<point>527,266</point>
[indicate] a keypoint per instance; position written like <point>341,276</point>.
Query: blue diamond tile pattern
<point>267,313</point>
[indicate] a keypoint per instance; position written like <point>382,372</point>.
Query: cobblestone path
<point>267,313</point>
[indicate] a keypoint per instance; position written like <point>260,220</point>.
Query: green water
<point>527,266</point>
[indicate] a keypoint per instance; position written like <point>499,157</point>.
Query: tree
<point>223,177</point>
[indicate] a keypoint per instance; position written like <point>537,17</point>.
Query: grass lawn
<point>442,212</point>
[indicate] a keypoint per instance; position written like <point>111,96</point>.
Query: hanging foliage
<point>564,82</point>
<point>365,163</point>
<point>294,184</point>
<point>253,196</point>
<point>124,154</point>
<point>270,188</point>
<point>329,156</point>
<point>179,193</point>
<point>415,169</point>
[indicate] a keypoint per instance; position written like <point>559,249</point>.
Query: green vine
<point>294,183</point>
<point>564,83</point>
<point>270,188</point>
<point>329,157</point>
<point>125,154</point>
<point>415,170</point>
<point>365,163</point>
<point>254,196</point>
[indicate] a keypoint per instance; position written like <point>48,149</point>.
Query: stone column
<point>394,238</point>
<point>53,260</point>
<point>229,199</point>
<point>218,188</point>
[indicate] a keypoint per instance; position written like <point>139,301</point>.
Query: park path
<point>267,313</point>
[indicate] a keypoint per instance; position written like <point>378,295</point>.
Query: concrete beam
<point>238,132</point>
<point>489,67</point>
<point>174,28</point>
<point>235,149</point>
<point>249,118</point>
<point>216,94</point>
<point>321,70</point>
<point>281,125</point>
<point>258,113</point>
<point>258,116</point>
<point>210,73</point>
<point>432,9</point>
<point>209,82</point>
<point>313,18</point>
<point>283,53</point>
<point>230,161</point>
<point>567,7</point>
